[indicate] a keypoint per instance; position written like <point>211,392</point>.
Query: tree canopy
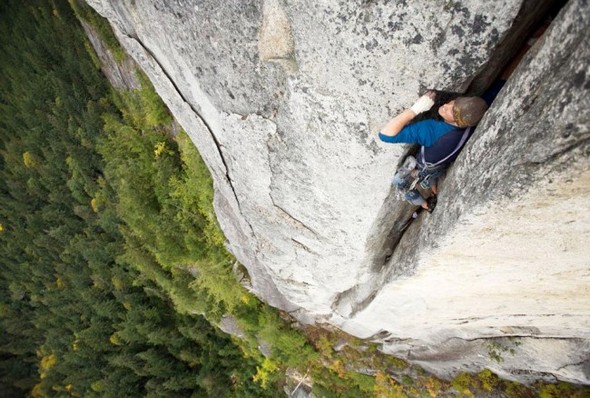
<point>94,249</point>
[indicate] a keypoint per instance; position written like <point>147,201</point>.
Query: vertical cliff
<point>283,99</point>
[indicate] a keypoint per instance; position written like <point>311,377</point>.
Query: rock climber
<point>440,142</point>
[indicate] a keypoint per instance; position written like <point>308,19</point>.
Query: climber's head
<point>468,111</point>
<point>463,111</point>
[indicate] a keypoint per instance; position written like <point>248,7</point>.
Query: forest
<point>104,217</point>
<point>114,274</point>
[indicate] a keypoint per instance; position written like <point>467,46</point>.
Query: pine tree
<point>94,297</point>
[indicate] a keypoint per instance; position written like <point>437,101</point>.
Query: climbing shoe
<point>431,202</point>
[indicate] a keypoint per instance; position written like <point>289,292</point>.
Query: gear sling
<point>431,161</point>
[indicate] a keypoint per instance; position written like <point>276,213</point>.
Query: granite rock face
<point>282,100</point>
<point>121,75</point>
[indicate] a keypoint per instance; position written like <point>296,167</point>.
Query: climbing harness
<point>425,165</point>
<point>416,171</point>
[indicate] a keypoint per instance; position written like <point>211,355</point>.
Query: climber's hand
<point>424,103</point>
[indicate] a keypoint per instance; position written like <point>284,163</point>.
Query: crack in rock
<point>294,219</point>
<point>203,120</point>
<point>302,246</point>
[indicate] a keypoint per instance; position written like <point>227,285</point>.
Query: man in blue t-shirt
<point>457,114</point>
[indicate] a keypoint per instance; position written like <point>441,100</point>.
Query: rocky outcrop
<point>283,99</point>
<point>121,75</point>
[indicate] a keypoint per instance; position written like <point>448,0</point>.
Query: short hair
<point>468,111</point>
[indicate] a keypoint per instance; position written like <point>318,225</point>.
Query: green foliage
<point>164,187</point>
<point>467,384</point>
<point>217,279</point>
<point>194,193</point>
<point>84,12</point>
<point>331,384</point>
<point>266,372</point>
<point>364,383</point>
<point>287,344</point>
<point>517,390</point>
<point>561,390</point>
<point>143,109</point>
<point>165,200</point>
<point>386,387</point>
<point>111,250</point>
<point>464,383</point>
<point>498,348</point>
<point>488,380</point>
<point>95,297</point>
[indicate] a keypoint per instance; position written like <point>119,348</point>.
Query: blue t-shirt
<point>424,133</point>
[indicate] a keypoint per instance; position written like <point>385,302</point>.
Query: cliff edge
<point>283,100</point>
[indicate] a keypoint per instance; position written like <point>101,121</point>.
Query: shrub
<point>463,383</point>
<point>517,390</point>
<point>386,387</point>
<point>488,380</point>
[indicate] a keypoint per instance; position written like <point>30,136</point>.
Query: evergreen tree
<point>93,301</point>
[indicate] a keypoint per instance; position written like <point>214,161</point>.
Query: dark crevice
<point>404,217</point>
<point>584,362</point>
<point>395,233</point>
<point>533,15</point>
<point>517,336</point>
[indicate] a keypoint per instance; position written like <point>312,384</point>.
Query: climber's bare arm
<point>396,124</point>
